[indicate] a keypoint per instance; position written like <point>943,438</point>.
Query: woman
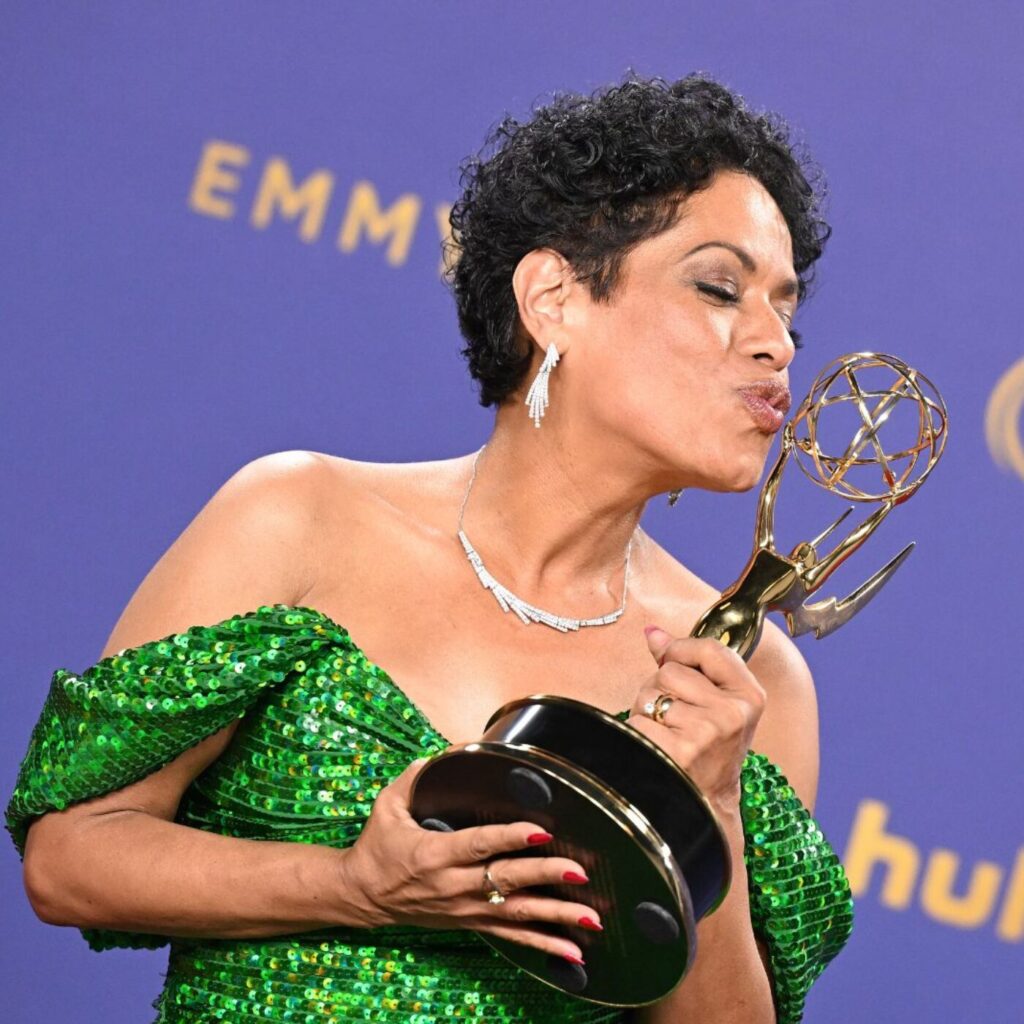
<point>629,268</point>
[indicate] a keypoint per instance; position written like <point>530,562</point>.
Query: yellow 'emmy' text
<point>219,177</point>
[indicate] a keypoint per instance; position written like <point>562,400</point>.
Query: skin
<point>643,400</point>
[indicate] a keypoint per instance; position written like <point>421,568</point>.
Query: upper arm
<point>787,732</point>
<point>252,543</point>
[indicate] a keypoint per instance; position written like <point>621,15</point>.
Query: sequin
<point>327,730</point>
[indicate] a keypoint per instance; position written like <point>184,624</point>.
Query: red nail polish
<point>573,959</point>
<point>539,837</point>
<point>575,876</point>
<point>589,922</point>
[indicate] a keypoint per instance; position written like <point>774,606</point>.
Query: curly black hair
<point>591,177</point>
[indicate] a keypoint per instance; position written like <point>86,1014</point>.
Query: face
<point>686,366</point>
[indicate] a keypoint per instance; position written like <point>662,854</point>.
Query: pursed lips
<point>767,401</point>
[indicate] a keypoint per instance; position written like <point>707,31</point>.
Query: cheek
<point>674,406</point>
<point>657,367</point>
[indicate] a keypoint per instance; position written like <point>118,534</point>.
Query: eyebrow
<point>789,287</point>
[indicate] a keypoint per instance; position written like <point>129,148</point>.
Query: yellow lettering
<point>969,910</point>
<point>398,221</point>
<point>212,173</point>
<point>1010,926</point>
<point>278,191</point>
<point>869,844</point>
<point>1002,420</point>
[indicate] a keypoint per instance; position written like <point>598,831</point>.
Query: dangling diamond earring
<point>673,496</point>
<point>537,396</point>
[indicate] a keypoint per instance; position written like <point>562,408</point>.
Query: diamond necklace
<point>528,612</point>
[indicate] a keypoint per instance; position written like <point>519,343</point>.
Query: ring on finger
<point>492,890</point>
<point>658,707</point>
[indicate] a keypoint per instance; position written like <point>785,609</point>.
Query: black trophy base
<point>649,928</point>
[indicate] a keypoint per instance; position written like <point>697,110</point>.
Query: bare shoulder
<point>368,497</point>
<point>248,545</point>
<point>397,482</point>
<point>788,730</point>
<point>367,513</point>
<point>300,490</point>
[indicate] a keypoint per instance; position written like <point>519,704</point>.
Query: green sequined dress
<point>323,730</point>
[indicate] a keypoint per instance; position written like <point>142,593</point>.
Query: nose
<point>765,337</point>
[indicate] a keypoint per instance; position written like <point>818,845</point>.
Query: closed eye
<point>726,296</point>
<point>719,293</point>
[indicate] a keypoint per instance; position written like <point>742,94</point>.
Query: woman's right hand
<point>404,874</point>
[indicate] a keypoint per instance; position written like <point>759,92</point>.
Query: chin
<point>742,484</point>
<point>738,475</point>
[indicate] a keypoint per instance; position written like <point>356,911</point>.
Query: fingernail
<point>589,922</point>
<point>539,837</point>
<point>574,959</point>
<point>575,876</point>
<point>648,630</point>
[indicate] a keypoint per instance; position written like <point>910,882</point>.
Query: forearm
<point>131,871</point>
<point>727,983</point>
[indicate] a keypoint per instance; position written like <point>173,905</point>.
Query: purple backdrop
<point>160,330</point>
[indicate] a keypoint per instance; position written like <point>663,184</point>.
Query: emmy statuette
<point>655,855</point>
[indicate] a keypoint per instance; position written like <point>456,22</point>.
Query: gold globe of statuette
<point>862,393</point>
<point>865,392</point>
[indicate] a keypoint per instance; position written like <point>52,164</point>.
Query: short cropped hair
<point>593,176</point>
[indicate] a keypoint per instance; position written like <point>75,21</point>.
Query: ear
<point>542,283</point>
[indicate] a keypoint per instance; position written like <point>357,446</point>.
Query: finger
<point>658,640</point>
<point>680,682</point>
<point>509,874</point>
<point>530,908</point>
<point>723,666</point>
<point>396,794</point>
<point>523,935</point>
<point>482,842</point>
<point>700,724</point>
<point>684,749</point>
<point>677,712</point>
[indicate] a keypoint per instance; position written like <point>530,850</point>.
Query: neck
<point>552,515</point>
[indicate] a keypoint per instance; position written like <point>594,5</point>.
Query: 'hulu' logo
<point>970,907</point>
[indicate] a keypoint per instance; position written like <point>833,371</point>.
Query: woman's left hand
<point>716,706</point>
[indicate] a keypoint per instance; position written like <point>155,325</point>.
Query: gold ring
<point>491,890</point>
<point>658,707</point>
